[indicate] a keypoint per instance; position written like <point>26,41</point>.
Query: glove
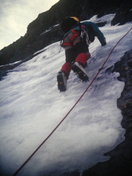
<point>103,43</point>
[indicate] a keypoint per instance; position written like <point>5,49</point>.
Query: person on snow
<point>77,37</point>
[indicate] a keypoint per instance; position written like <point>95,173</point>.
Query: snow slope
<point>31,106</point>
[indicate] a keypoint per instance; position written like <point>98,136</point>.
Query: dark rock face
<point>123,14</point>
<point>42,31</point>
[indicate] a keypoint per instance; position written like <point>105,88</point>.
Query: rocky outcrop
<point>44,30</point>
<point>123,14</point>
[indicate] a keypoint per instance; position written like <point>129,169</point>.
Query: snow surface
<point>31,106</point>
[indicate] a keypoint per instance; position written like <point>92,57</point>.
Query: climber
<point>77,37</point>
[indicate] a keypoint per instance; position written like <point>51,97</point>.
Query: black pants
<point>73,52</point>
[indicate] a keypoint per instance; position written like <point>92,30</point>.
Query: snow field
<point>31,106</point>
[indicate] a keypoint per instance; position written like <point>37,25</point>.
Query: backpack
<point>76,35</point>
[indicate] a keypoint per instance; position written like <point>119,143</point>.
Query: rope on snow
<point>92,81</point>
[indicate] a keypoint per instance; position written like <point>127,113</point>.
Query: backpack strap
<point>84,35</point>
<point>75,34</point>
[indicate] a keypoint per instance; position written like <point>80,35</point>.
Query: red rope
<point>20,168</point>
